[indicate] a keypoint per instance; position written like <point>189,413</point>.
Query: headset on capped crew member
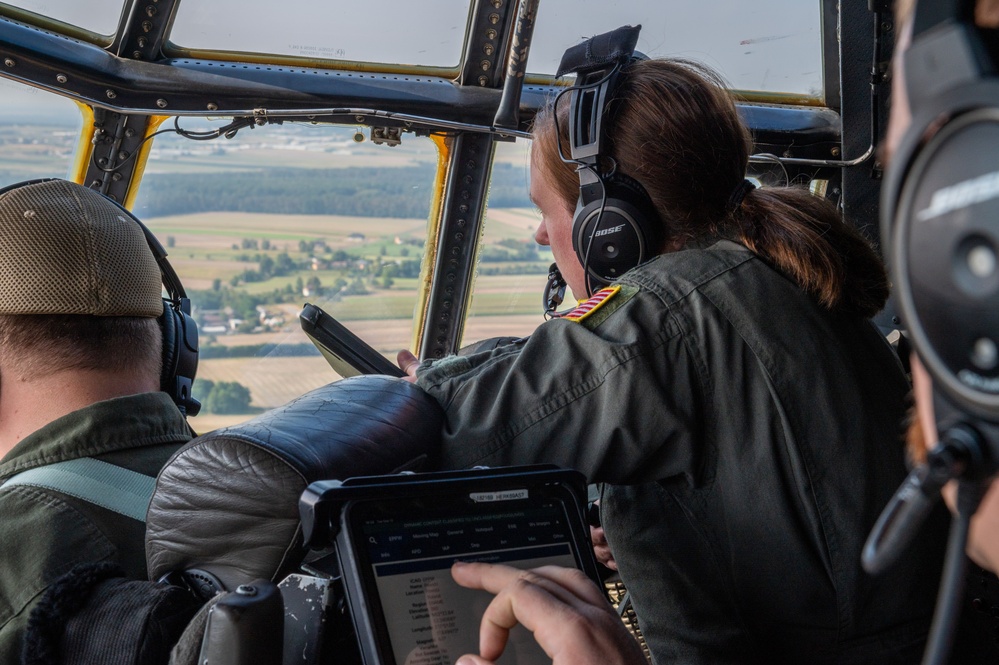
<point>940,229</point>
<point>615,226</point>
<point>179,330</point>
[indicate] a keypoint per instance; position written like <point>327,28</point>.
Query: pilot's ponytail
<point>672,126</point>
<point>804,237</point>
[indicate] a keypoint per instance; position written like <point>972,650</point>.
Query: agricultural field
<point>202,252</point>
<point>275,380</point>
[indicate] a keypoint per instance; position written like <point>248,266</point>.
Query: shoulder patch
<point>598,300</point>
<point>601,304</point>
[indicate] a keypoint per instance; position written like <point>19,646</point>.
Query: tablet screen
<point>428,618</point>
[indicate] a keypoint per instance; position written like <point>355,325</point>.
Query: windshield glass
<point>38,133</point>
<point>768,46</point>
<point>429,33</point>
<point>279,216</point>
<point>96,16</point>
<point>512,270</point>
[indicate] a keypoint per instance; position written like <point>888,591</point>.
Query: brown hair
<point>37,344</point>
<point>674,128</point>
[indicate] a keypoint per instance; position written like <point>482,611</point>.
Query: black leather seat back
<point>227,502</point>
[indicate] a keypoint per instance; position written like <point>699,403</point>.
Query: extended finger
<point>473,659</point>
<point>526,601</point>
<point>407,362</point>
<point>567,584</point>
<point>548,601</point>
<point>605,556</point>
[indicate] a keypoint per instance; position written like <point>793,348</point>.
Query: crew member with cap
<point>80,361</point>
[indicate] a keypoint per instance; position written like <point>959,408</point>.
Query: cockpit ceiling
<point>768,46</point>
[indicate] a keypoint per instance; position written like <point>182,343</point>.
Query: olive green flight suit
<point>747,439</point>
<point>44,534</point>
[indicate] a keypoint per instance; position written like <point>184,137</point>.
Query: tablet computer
<point>398,541</point>
<point>346,353</point>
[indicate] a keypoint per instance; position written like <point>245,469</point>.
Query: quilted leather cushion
<point>227,502</point>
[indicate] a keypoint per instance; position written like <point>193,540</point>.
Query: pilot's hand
<point>408,363</point>
<point>601,548</point>
<point>569,616</point>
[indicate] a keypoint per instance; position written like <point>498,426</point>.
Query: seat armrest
<point>227,502</point>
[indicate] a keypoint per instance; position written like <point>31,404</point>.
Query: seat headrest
<point>227,502</point>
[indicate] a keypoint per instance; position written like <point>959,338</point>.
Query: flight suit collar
<point>146,419</point>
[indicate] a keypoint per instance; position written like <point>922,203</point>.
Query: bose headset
<point>179,330</point>
<point>940,226</point>
<point>615,226</point>
<point>940,211</point>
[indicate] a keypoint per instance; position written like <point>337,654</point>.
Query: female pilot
<point>731,395</point>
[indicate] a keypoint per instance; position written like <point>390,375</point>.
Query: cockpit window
<point>276,217</point>
<point>513,269</point>
<point>426,33</point>
<point>38,133</point>
<point>98,17</point>
<point>768,46</point>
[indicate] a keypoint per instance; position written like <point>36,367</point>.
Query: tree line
<point>222,397</point>
<point>399,192</point>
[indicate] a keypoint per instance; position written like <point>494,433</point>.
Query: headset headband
<point>616,225</point>
<point>931,14</point>
<point>597,63</point>
<point>946,51</point>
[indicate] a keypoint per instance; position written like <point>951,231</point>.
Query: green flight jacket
<point>44,534</point>
<point>748,439</point>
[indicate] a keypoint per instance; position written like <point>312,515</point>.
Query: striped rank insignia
<point>599,299</point>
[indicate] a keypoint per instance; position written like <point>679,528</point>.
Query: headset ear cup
<point>648,222</point>
<point>946,248</point>
<point>180,356</point>
<point>613,236</point>
<point>168,328</point>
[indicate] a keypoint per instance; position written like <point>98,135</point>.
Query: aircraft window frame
<point>172,50</point>
<point>281,93</point>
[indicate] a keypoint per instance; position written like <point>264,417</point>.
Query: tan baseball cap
<point>66,249</point>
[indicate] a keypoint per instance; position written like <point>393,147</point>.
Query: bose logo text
<point>607,232</point>
<point>963,194</point>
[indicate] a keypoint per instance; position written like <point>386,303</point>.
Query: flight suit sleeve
<point>614,395</point>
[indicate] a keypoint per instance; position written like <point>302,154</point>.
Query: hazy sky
<point>760,45</point>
